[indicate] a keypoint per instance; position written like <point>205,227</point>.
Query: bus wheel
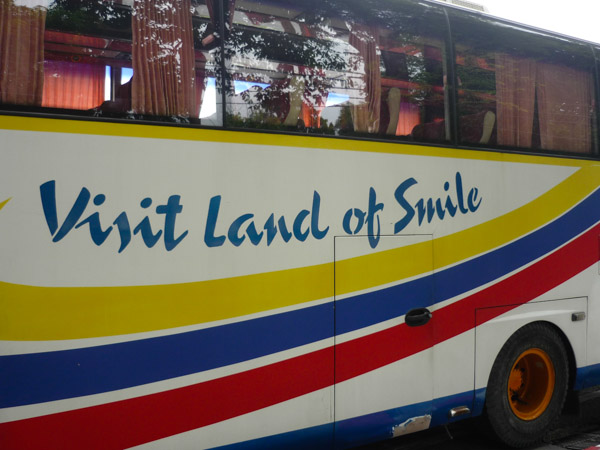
<point>527,385</point>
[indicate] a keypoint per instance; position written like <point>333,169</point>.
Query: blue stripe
<point>379,426</point>
<point>317,438</point>
<point>41,377</point>
<point>374,307</point>
<point>587,377</point>
<point>358,430</point>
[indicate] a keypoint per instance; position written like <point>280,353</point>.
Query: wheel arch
<point>493,333</point>
<point>528,384</point>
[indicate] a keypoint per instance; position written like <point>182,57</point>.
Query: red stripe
<point>143,419</point>
<point>376,350</point>
<point>133,422</point>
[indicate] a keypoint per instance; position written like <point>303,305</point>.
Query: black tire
<point>519,422</point>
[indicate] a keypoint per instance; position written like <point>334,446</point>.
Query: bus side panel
<point>185,284</point>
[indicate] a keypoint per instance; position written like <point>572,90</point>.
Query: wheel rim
<point>531,384</point>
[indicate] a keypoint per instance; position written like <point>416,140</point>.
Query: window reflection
<point>345,67</point>
<point>121,58</point>
<point>536,91</point>
<point>337,70</point>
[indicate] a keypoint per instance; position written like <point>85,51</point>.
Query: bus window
<point>22,60</point>
<point>138,59</point>
<point>361,68</point>
<point>522,89</point>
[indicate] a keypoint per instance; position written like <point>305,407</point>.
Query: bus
<point>270,224</point>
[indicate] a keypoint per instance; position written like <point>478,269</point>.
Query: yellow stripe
<point>42,313</point>
<point>506,228</point>
<point>4,203</point>
<point>413,260</point>
<point>261,138</point>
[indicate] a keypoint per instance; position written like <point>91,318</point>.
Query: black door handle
<point>417,317</point>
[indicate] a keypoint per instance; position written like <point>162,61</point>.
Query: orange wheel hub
<point>531,384</point>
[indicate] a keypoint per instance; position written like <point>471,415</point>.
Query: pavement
<point>584,441</point>
<point>578,431</point>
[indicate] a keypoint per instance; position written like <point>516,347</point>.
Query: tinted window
<point>341,67</point>
<point>142,59</point>
<point>522,89</point>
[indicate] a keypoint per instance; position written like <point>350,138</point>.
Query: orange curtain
<point>564,98</point>
<point>515,97</point>
<point>163,58</point>
<point>408,119</point>
<point>73,85</point>
<point>311,114</point>
<point>366,115</point>
<point>21,53</point>
<point>565,106</point>
<point>314,97</point>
